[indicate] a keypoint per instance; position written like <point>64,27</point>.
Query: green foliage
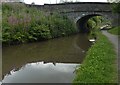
<point>22,24</point>
<point>99,65</point>
<point>94,24</point>
<point>116,7</point>
<point>115,30</point>
<point>39,32</point>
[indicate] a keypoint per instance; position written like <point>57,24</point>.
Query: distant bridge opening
<point>82,23</point>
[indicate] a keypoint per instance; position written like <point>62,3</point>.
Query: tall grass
<point>23,24</point>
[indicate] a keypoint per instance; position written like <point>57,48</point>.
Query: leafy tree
<point>116,7</point>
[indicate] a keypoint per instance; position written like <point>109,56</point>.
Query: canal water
<point>52,61</point>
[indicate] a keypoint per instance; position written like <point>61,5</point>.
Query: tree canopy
<point>116,7</point>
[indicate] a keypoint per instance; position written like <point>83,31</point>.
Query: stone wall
<point>76,11</point>
<point>73,7</point>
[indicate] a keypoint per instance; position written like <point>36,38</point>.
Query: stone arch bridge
<point>80,12</point>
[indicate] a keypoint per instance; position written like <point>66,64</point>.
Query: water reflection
<point>71,49</point>
<point>41,72</point>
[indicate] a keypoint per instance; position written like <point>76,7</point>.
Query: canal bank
<point>23,24</point>
<point>115,41</point>
<point>99,65</point>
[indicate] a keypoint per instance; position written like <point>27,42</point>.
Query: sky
<point>41,2</point>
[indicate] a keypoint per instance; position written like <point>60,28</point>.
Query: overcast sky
<point>41,2</point>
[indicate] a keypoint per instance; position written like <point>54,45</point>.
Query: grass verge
<point>99,65</point>
<point>115,30</point>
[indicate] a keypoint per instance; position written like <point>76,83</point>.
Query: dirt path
<point>115,41</point>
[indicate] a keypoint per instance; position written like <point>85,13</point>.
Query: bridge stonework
<point>76,11</point>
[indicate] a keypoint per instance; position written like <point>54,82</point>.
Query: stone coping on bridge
<point>79,3</point>
<point>73,3</point>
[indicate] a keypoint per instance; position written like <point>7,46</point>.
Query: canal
<point>52,61</point>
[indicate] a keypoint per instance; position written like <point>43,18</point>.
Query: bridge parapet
<point>74,7</point>
<point>75,11</point>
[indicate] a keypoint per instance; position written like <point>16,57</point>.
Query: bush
<point>39,32</point>
<point>26,24</point>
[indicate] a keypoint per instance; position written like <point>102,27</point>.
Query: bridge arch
<point>81,21</point>
<point>75,11</point>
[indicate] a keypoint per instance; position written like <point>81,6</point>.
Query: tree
<point>116,7</point>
